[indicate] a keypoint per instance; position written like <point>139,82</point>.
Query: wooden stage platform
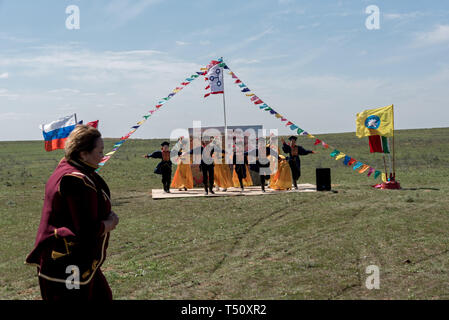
<point>231,192</point>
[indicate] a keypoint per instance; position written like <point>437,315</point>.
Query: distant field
<point>286,246</point>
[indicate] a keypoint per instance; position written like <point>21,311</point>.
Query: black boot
<point>211,191</point>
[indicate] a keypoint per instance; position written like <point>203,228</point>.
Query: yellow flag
<point>384,177</point>
<point>375,122</point>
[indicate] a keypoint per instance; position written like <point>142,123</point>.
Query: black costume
<point>293,159</point>
<point>163,167</point>
<point>207,169</point>
<point>240,168</point>
<point>261,168</point>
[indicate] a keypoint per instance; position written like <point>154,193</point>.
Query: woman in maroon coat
<point>76,220</point>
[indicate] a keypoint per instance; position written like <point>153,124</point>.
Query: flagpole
<point>76,120</point>
<point>394,167</point>
<point>224,104</point>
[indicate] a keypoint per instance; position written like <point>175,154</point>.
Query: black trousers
<point>262,181</point>
<point>240,170</point>
<point>208,176</point>
<point>296,169</point>
<point>166,177</point>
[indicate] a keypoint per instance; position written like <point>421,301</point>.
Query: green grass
<point>286,246</point>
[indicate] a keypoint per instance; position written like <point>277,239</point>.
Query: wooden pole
<point>224,104</point>
<point>394,167</point>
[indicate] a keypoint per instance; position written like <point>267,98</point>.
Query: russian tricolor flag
<point>56,132</point>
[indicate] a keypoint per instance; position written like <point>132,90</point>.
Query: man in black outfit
<point>163,167</point>
<point>261,167</point>
<point>207,167</point>
<point>294,152</point>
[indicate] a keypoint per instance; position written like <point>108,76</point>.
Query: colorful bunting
<point>364,168</point>
<point>346,160</point>
<point>340,156</point>
<point>357,165</point>
<point>376,174</point>
<point>118,144</point>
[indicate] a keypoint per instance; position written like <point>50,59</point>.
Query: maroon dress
<point>70,233</point>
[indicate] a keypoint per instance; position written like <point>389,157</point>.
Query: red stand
<point>391,184</point>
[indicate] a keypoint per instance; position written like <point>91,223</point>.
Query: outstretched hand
<point>314,152</point>
<point>145,156</point>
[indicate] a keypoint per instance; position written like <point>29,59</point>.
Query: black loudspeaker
<point>323,179</point>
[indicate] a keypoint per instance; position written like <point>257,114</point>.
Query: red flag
<point>317,142</point>
<point>93,124</point>
<point>375,144</point>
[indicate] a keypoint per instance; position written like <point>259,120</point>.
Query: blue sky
<point>315,62</point>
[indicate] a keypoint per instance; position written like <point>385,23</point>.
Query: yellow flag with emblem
<point>373,122</point>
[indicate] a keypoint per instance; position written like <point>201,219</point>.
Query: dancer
<point>164,167</point>
<point>262,169</point>
<point>183,179</point>
<point>207,168</point>
<point>294,152</point>
<point>282,178</point>
<point>222,175</point>
<point>241,176</point>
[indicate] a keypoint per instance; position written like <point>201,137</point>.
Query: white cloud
<point>4,75</point>
<point>182,43</point>
<point>5,93</point>
<point>260,35</point>
<point>93,66</point>
<point>14,116</point>
<point>122,11</point>
<point>440,34</point>
<point>401,16</point>
<point>64,90</point>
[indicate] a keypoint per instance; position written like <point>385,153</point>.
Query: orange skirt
<point>282,179</point>
<point>247,182</point>
<point>222,176</point>
<point>183,177</point>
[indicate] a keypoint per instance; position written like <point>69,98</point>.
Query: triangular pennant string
<point>335,154</point>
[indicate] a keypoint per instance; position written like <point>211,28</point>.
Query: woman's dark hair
<point>82,138</point>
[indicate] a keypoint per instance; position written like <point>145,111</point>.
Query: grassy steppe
<point>286,246</point>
